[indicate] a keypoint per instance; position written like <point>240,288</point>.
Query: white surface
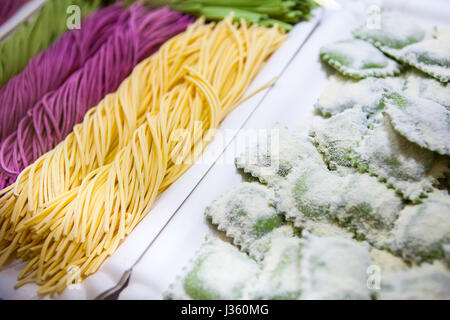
<point>168,202</point>
<point>290,103</point>
<point>24,13</point>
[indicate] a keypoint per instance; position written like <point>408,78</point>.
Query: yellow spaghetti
<point>74,205</point>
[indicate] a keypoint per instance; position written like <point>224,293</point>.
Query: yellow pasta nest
<point>75,204</point>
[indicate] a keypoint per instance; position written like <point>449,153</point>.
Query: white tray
<point>290,102</point>
<point>168,203</point>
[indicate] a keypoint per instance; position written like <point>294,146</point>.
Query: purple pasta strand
<point>8,8</point>
<point>55,115</point>
<point>48,70</point>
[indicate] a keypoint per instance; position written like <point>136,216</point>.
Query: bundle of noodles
<point>139,34</point>
<point>37,35</point>
<point>284,13</point>
<point>75,205</point>
<point>49,69</point>
<point>8,8</point>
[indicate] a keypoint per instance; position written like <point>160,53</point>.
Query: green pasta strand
<point>37,35</point>
<point>284,13</point>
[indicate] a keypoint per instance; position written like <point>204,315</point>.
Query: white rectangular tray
<point>290,103</point>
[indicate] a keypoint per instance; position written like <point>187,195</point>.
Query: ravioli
<point>309,194</point>
<point>276,152</point>
<point>431,56</point>
<point>246,214</point>
<point>395,31</point>
<point>358,59</point>
<point>424,87</point>
<point>313,195</point>
<point>279,278</point>
<point>428,281</point>
<point>259,248</point>
<point>334,268</point>
<point>422,231</point>
<point>313,268</point>
<point>367,208</point>
<point>410,169</point>
<point>421,121</point>
<point>336,136</point>
<point>408,42</point>
<point>341,94</point>
<point>359,191</point>
<point>218,271</point>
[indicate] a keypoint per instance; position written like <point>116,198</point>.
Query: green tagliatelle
<point>358,59</point>
<point>37,35</point>
<point>284,13</point>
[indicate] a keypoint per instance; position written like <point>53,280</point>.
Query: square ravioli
<point>421,121</point>
<point>218,271</point>
<point>410,43</point>
<point>358,59</point>
<point>280,271</point>
<point>423,231</point>
<point>334,268</point>
<point>357,202</point>
<point>341,94</point>
<point>425,282</point>
<point>395,30</point>
<point>408,168</point>
<point>335,137</point>
<point>431,56</point>
<point>419,85</point>
<point>276,152</point>
<point>246,214</point>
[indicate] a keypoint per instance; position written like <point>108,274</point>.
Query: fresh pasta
<point>37,35</point>
<point>76,203</point>
<point>139,33</point>
<point>66,56</point>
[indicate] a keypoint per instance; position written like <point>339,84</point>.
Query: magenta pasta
<point>48,70</point>
<point>54,116</point>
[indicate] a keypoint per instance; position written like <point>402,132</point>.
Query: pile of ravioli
<point>358,206</point>
<point>385,48</point>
